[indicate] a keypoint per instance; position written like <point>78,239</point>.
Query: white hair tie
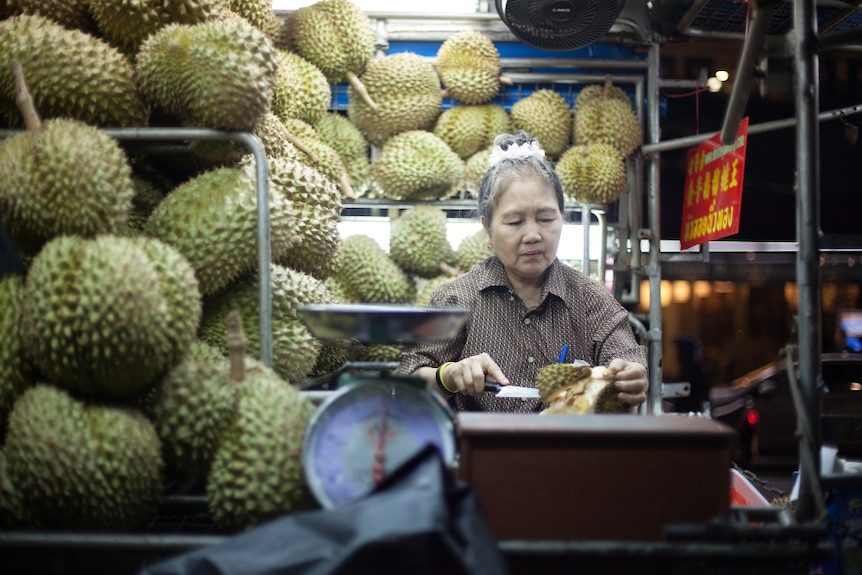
<point>517,152</point>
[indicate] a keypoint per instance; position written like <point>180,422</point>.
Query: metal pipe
<point>654,401</point>
<point>760,128</point>
<point>751,49</point>
<point>807,230</point>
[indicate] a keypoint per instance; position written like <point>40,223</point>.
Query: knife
<point>511,390</point>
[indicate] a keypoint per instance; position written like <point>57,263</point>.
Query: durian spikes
<point>236,344</point>
<point>360,89</point>
<point>24,100</point>
<point>505,80</point>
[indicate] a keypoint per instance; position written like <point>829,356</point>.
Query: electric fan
<point>559,25</point>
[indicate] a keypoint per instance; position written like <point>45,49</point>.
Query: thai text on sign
<point>713,189</point>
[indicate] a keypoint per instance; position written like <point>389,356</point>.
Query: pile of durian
<point>114,372</point>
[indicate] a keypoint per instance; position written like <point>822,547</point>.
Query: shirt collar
<point>493,275</point>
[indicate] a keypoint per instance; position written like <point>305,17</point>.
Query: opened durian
<point>567,388</point>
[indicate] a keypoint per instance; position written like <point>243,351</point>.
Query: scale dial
<point>366,431</point>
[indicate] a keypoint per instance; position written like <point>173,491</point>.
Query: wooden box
<point>594,477</point>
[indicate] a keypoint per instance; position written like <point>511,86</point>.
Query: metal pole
<point>760,128</point>
<point>653,404</point>
<point>745,71</point>
<point>807,230</point>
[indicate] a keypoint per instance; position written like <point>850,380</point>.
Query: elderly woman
<point>525,304</point>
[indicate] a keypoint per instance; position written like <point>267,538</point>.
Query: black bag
<point>419,521</point>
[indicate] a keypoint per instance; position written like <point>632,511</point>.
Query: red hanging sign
<point>713,189</point>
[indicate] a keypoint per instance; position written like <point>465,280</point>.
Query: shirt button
<point>527,321</point>
<point>531,359</point>
<point>511,298</point>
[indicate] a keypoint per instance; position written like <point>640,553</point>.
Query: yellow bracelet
<point>439,377</point>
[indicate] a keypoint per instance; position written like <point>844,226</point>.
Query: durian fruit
<point>126,23</point>
<point>62,176</point>
<point>417,165</point>
<point>82,466</point>
<point>216,74</point>
<point>544,114</point>
<point>12,510</point>
<point>592,392</point>
<point>95,316</point>
<point>426,289</point>
<point>555,376</point>
<point>212,221</point>
<point>74,14</point>
<point>469,67</point>
<point>70,74</point>
<point>338,132</point>
<point>301,90</point>
<point>418,242</point>
<point>194,403</point>
<point>179,287</point>
<point>294,348</point>
<point>369,275</point>
<point>407,92</point>
<point>470,129</point>
<point>317,207</point>
<point>258,13</point>
<point>337,37</point>
<point>474,171</point>
<point>604,115</point>
<point>379,352</point>
<point>592,173</point>
<point>473,249</point>
<point>16,371</point>
<point>256,474</point>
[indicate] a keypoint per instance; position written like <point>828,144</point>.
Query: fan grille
<point>559,25</point>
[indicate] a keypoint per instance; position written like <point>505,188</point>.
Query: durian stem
<point>360,89</point>
<point>302,147</point>
<point>236,346</point>
<point>444,93</point>
<point>346,188</point>
<point>24,100</point>
<point>609,85</point>
<point>507,81</point>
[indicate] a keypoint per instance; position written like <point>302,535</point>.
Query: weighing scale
<point>373,423</point>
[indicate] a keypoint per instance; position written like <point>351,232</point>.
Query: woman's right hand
<point>468,375</point>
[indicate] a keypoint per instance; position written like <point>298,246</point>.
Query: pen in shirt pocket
<point>563,353</point>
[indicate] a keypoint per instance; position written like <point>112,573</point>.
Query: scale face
<point>368,429</point>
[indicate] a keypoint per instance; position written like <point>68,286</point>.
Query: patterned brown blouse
<point>574,310</point>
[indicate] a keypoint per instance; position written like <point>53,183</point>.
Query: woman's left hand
<point>631,381</point>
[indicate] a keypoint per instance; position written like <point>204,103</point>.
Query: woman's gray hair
<point>507,167</point>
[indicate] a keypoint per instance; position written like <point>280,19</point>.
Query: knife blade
<point>511,390</point>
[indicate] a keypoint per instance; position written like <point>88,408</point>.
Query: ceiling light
<point>722,75</point>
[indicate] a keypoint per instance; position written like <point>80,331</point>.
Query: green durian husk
<point>82,466</point>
